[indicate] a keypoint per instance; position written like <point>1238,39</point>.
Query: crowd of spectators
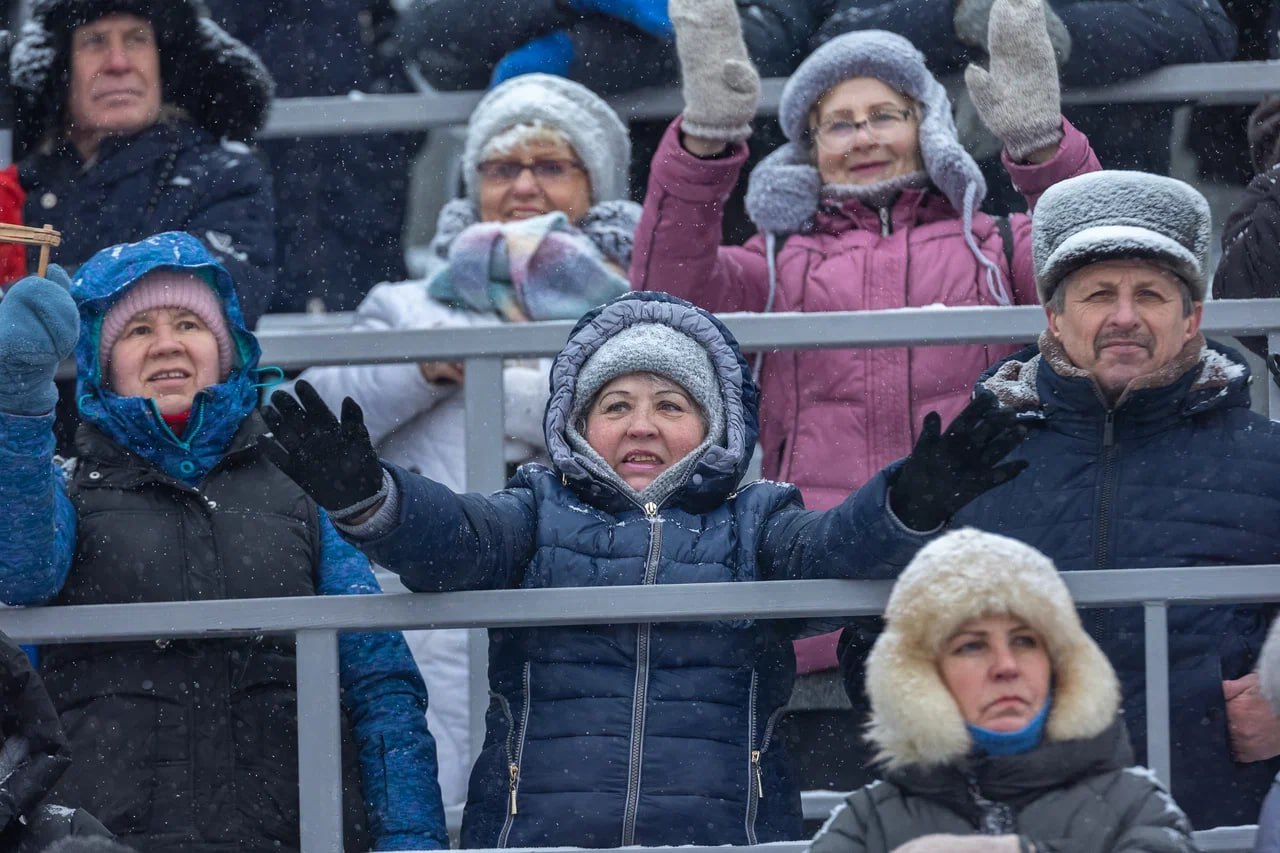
<point>1122,438</point>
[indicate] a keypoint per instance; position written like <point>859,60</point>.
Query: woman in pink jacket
<point>872,204</point>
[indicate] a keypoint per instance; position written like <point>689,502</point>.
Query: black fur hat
<point>215,79</point>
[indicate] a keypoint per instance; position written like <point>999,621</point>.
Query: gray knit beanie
<point>1111,215</point>
<point>592,127</point>
<point>653,348</point>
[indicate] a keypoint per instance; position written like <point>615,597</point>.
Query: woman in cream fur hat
<point>995,720</point>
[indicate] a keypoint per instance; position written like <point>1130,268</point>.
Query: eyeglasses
<point>544,171</point>
<point>837,134</point>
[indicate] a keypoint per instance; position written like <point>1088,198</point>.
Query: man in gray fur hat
<point>1143,452</point>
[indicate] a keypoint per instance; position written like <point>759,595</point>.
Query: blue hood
<point>134,422</point>
<point>721,467</point>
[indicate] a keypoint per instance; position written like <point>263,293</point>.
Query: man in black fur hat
<point>132,119</point>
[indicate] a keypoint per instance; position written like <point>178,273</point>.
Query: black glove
<point>948,469</point>
<point>333,462</point>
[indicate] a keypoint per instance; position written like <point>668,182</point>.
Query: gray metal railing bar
<point>513,608</point>
<point>320,763</point>
<point>1216,83</point>
<point>931,326</point>
<point>1156,634</point>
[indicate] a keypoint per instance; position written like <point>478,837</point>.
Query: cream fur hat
<point>965,575</point>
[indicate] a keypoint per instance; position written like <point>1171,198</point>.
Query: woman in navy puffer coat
<point>620,734</point>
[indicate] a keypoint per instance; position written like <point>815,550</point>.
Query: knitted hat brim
<point>1118,242</point>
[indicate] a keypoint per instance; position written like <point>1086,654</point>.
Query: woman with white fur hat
<point>543,232</point>
<point>996,719</point>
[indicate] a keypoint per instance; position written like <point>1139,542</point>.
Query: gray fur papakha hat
<point>592,127</point>
<point>1119,215</point>
<point>653,348</point>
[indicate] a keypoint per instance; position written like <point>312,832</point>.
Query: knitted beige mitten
<point>721,86</point>
<point>1018,98</point>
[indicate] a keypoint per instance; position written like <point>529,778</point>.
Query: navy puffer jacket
<point>1182,475</point>
<point>651,734</point>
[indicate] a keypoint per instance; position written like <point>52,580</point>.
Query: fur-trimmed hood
<point>213,78</point>
<point>721,466</point>
<point>961,576</point>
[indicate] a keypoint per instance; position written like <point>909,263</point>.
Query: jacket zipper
<point>642,683</point>
<point>886,222</point>
<point>756,783</point>
<point>515,753</point>
<point>1102,550</point>
<point>755,780</point>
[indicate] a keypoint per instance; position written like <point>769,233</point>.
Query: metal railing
<point>316,622</point>
<point>1207,83</point>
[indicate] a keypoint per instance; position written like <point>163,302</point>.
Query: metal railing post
<point>486,472</point>
<point>1273,390</point>
<point>1156,621</point>
<point>319,743</point>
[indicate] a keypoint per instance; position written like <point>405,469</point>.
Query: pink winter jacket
<point>832,418</point>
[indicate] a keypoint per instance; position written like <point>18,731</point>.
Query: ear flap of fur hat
<point>783,191</point>
<point>1269,667</point>
<point>221,84</point>
<point>961,576</point>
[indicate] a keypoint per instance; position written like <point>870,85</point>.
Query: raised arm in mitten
<point>39,324</point>
<point>1018,98</point>
<point>720,85</point>
<point>947,470</point>
<point>972,24</point>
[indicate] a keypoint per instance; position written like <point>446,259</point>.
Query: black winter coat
<point>1183,475</point>
<point>1250,264</point>
<point>201,736</point>
<point>1078,796</point>
<point>457,49</point>
<point>173,176</point>
<point>340,200</point>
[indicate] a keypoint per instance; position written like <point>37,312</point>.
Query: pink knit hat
<point>168,289</point>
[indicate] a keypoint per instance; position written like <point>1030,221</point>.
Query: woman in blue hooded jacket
<point>621,734</point>
<point>186,745</point>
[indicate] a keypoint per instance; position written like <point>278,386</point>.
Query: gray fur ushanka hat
<point>784,190</point>
<point>1119,215</point>
<point>215,79</point>
<point>592,127</point>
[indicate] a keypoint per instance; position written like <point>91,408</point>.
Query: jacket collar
<point>1041,382</point>
<point>915,206</point>
<point>1016,780</point>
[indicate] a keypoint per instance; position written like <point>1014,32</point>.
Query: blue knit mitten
<point>647,15</point>
<point>39,324</point>
<point>551,54</point>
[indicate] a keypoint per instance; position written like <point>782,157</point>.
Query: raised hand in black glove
<point>333,461</point>
<point>948,469</point>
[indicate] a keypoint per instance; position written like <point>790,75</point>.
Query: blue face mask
<point>1023,740</point>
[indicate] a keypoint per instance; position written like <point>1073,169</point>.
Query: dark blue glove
<point>39,324</point>
<point>647,15</point>
<point>551,54</point>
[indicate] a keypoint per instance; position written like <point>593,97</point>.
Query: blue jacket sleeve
<point>1113,40</point>
<point>860,539</point>
<point>383,694</point>
<point>40,526</point>
<point>444,541</point>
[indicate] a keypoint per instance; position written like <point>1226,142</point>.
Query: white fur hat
<point>961,576</point>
